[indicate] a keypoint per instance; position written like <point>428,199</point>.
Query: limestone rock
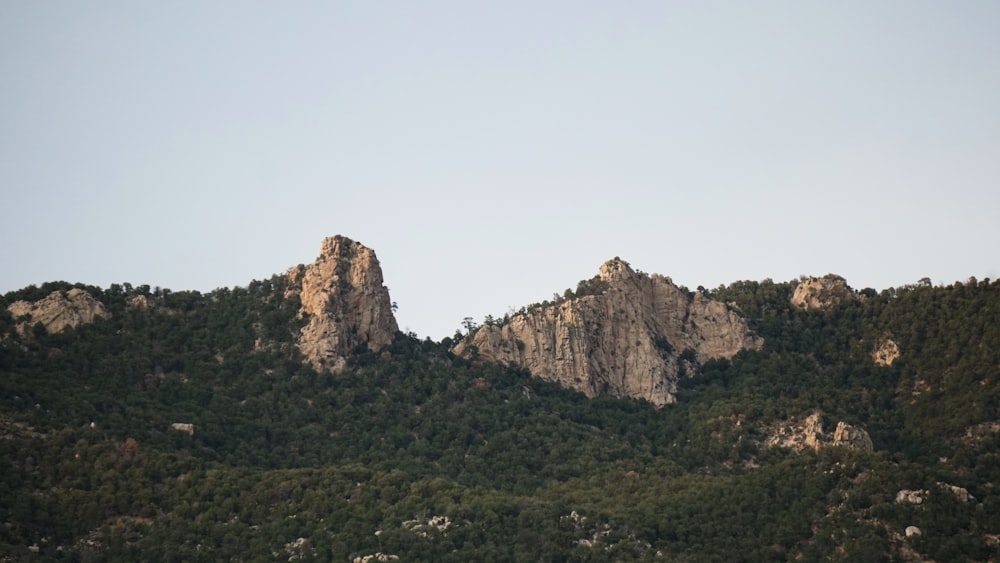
<point>626,341</point>
<point>797,437</point>
<point>183,427</point>
<point>907,496</point>
<point>886,353</point>
<point>822,293</point>
<point>809,435</point>
<point>344,303</point>
<point>852,437</point>
<point>913,531</point>
<point>961,493</point>
<point>58,311</point>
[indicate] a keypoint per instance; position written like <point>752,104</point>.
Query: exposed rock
<point>821,293</point>
<point>913,531</point>
<point>797,437</point>
<point>376,557</point>
<point>980,432</point>
<point>183,427</point>
<point>852,437</point>
<point>809,435</point>
<point>961,493</point>
<point>344,301</point>
<point>58,311</point>
<point>886,353</point>
<point>907,496</point>
<point>141,302</point>
<point>626,341</point>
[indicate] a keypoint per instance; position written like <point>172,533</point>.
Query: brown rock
<point>809,434</point>
<point>822,293</point>
<point>852,437</point>
<point>797,437</point>
<point>886,353</point>
<point>626,341</point>
<point>58,311</point>
<point>344,302</point>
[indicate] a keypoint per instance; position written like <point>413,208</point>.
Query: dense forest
<point>190,429</point>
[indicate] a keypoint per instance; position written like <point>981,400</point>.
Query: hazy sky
<point>493,153</point>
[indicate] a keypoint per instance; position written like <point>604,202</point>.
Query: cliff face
<point>344,301</point>
<point>58,311</point>
<point>625,342</point>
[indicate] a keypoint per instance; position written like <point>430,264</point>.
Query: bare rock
<point>961,493</point>
<point>58,311</point>
<point>822,293</point>
<point>797,437</point>
<point>809,434</point>
<point>886,353</point>
<point>907,496</point>
<point>913,531</point>
<point>344,301</point>
<point>852,437</point>
<point>626,341</point>
<point>186,427</point>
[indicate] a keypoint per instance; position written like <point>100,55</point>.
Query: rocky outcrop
<point>58,311</point>
<point>344,303</point>
<point>186,427</point>
<point>809,435</point>
<point>852,437</point>
<point>632,339</point>
<point>822,293</point>
<point>797,437</point>
<point>886,353</point>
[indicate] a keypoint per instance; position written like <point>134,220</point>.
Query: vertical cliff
<point>626,341</point>
<point>344,302</point>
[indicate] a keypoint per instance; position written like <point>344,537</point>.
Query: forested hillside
<point>186,426</point>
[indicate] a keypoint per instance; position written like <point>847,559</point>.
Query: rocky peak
<point>632,339</point>
<point>822,293</point>
<point>344,301</point>
<point>616,269</point>
<point>58,311</point>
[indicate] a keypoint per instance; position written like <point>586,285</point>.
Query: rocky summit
<point>58,311</point>
<point>633,338</point>
<point>822,293</point>
<point>344,303</point>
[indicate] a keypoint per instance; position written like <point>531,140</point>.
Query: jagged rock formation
<point>58,311</point>
<point>809,434</point>
<point>626,341</point>
<point>852,437</point>
<point>797,437</point>
<point>822,293</point>
<point>344,302</point>
<point>886,353</point>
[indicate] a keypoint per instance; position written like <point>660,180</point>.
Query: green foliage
<point>413,452</point>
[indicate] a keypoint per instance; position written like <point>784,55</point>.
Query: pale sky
<point>493,153</point>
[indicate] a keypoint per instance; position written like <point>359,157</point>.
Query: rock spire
<point>344,303</point>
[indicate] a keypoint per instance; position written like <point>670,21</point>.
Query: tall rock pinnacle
<point>629,339</point>
<point>344,302</point>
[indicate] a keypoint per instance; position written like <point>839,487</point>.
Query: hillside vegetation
<point>414,453</point>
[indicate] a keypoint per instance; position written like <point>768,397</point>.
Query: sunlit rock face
<point>58,311</point>
<point>633,339</point>
<point>344,302</point>
<point>822,293</point>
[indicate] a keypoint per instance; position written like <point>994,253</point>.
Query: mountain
<point>624,334</point>
<point>289,419</point>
